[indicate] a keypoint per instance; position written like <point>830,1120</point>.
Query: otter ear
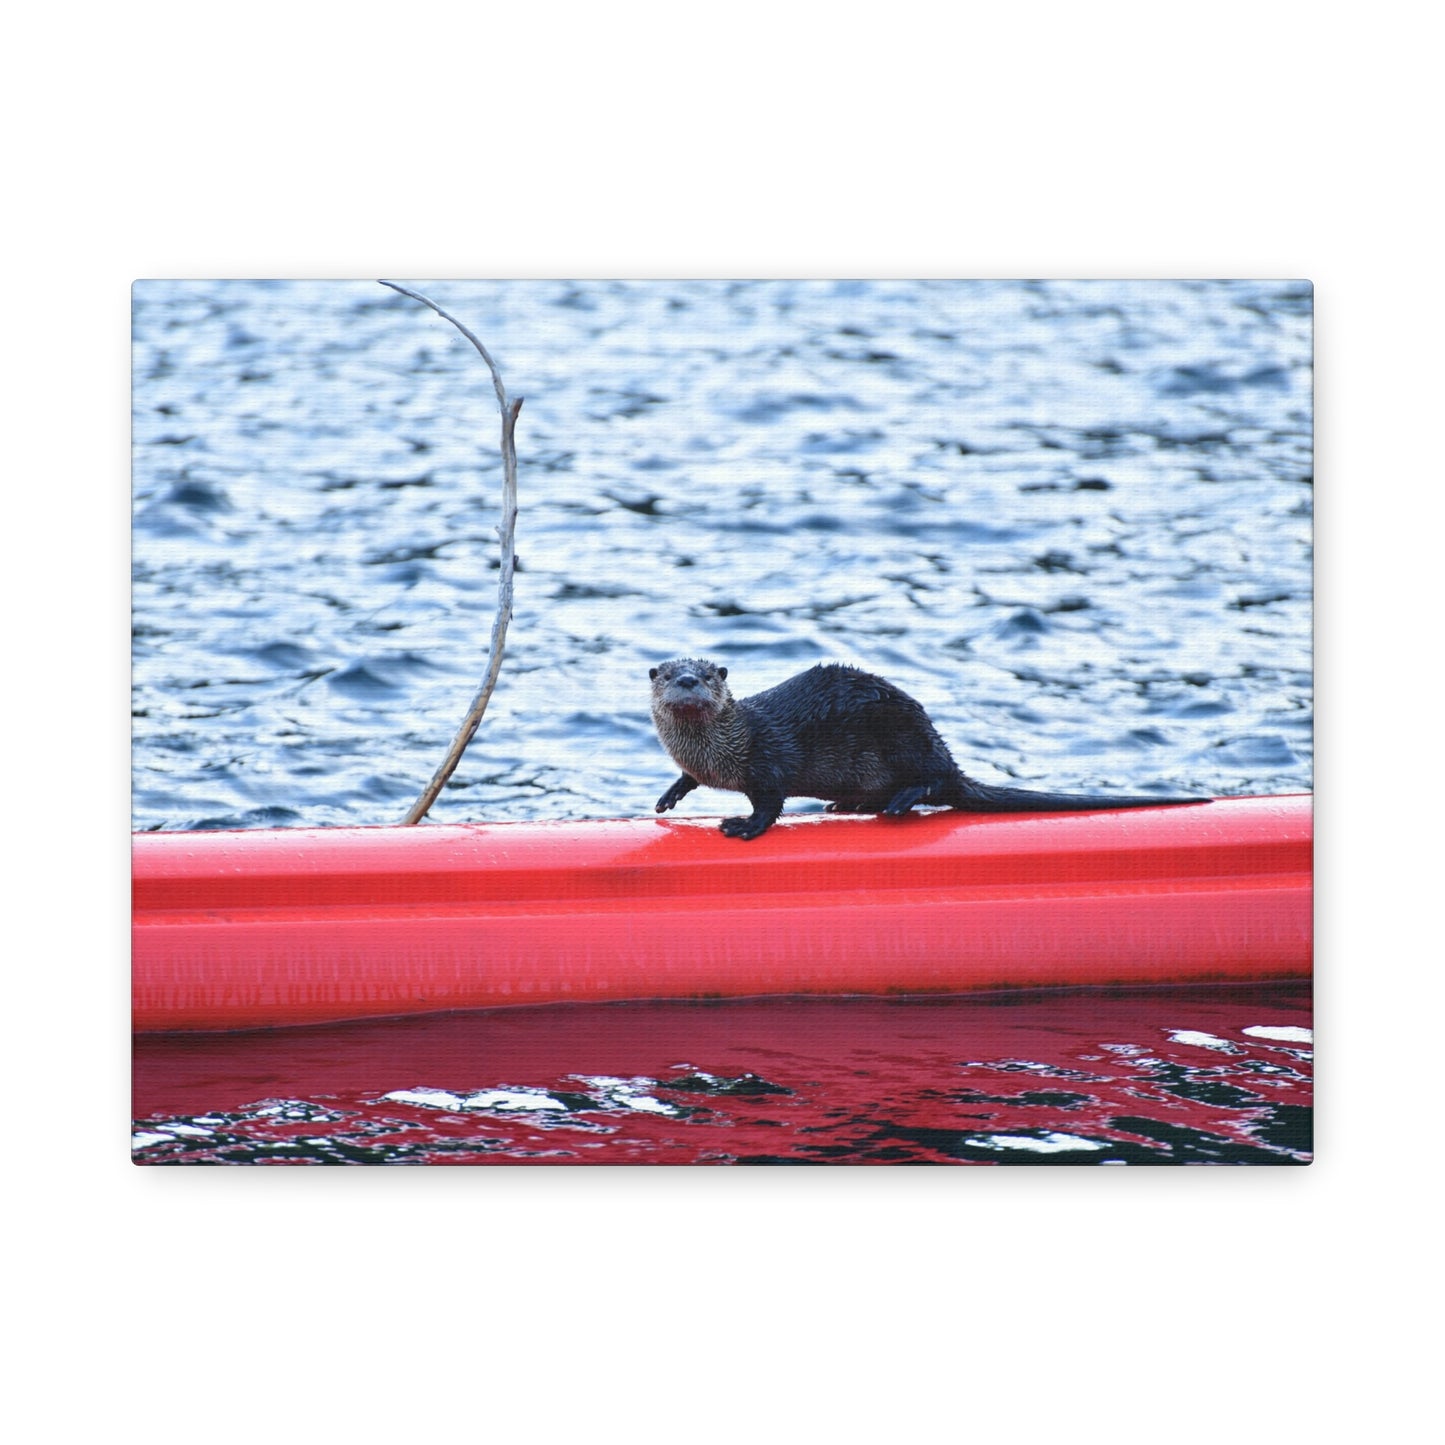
<point>722,672</point>
<point>652,674</point>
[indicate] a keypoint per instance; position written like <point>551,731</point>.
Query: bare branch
<point>507,532</point>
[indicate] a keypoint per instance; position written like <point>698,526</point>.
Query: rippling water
<point>1073,519</point>
<point>1172,1076</point>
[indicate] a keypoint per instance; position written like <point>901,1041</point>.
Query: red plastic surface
<point>260,929</point>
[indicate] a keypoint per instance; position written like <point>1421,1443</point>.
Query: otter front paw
<point>675,794</point>
<point>745,827</point>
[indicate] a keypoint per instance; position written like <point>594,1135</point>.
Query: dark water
<point>1216,1075</point>
<point>1074,519</point>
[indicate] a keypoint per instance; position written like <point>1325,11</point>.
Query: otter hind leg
<point>903,800</point>
<point>936,790</point>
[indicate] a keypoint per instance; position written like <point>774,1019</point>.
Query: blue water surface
<point>1072,518</point>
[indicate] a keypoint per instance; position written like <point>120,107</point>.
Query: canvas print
<point>722,722</point>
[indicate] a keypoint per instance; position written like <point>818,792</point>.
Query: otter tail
<point>975,797</point>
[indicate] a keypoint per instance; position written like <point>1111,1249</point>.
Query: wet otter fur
<point>833,732</point>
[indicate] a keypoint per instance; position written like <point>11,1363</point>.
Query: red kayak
<point>302,926</point>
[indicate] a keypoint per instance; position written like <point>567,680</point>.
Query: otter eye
<point>652,674</point>
<point>722,672</point>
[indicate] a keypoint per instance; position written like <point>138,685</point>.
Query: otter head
<point>689,689</point>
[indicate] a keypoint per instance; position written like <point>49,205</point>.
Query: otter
<point>833,732</point>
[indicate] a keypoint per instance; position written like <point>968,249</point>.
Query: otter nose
<point>686,679</point>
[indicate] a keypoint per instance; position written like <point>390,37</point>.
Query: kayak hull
<point>304,926</point>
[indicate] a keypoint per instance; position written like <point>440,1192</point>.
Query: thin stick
<point>507,531</point>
